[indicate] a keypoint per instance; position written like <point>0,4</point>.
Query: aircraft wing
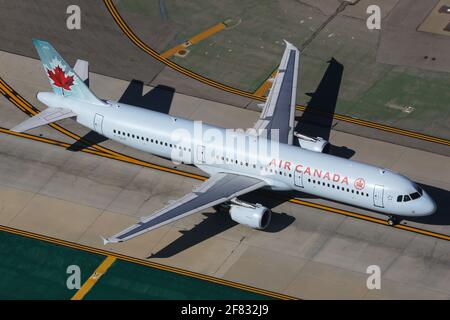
<point>279,109</point>
<point>219,188</point>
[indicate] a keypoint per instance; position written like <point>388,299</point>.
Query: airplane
<point>234,169</point>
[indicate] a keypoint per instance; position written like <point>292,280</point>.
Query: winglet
<point>105,241</point>
<point>287,43</point>
<point>110,240</point>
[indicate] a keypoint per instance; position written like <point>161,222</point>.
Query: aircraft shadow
<point>442,214</point>
<point>158,99</point>
<point>88,140</point>
<point>317,119</point>
<point>218,222</point>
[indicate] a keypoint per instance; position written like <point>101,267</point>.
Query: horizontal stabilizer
<point>47,116</point>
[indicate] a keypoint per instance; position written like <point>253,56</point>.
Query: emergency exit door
<point>98,123</point>
<point>298,178</point>
<point>201,157</point>
<point>378,196</point>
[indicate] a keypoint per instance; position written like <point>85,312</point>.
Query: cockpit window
<point>419,190</point>
<point>412,196</point>
<point>415,195</point>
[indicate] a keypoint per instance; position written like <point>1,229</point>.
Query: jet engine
<point>254,216</point>
<point>313,144</point>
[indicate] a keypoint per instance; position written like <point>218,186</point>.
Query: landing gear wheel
<point>392,221</point>
<point>222,208</point>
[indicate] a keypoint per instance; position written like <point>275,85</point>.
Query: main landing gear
<point>223,207</point>
<point>392,220</point>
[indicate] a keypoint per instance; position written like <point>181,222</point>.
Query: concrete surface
<point>308,253</point>
<point>364,92</point>
<point>436,21</point>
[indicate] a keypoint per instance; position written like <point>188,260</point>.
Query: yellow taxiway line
<point>195,39</point>
<point>26,107</point>
<point>203,178</point>
<point>266,84</point>
<point>101,270</point>
<point>17,100</point>
<point>110,154</point>
<point>143,262</point>
<point>139,43</point>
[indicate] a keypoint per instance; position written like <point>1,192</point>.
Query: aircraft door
<point>98,123</point>
<point>201,157</point>
<point>378,193</point>
<point>298,178</point>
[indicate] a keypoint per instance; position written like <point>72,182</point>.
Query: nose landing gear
<point>392,220</point>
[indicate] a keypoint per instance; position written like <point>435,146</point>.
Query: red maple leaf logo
<point>360,183</point>
<point>60,79</point>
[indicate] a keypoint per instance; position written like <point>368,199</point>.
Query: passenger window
<point>406,198</point>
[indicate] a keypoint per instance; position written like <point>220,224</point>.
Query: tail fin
<point>63,79</point>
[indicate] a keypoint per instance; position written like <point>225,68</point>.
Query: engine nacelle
<point>313,144</point>
<point>257,216</point>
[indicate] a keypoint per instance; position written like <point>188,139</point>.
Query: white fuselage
<point>289,168</point>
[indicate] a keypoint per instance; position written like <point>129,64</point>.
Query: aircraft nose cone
<point>432,206</point>
<point>429,205</point>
